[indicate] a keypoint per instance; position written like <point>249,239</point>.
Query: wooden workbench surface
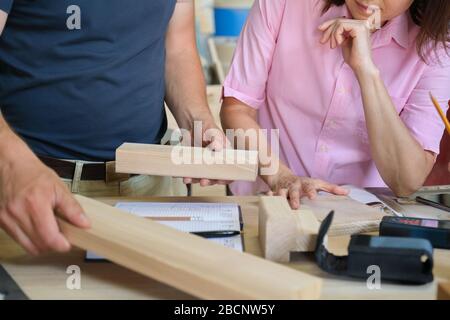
<point>45,277</point>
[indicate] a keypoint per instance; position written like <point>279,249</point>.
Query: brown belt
<point>91,171</point>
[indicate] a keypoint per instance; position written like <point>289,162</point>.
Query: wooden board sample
<point>444,291</point>
<point>351,217</point>
<point>192,162</point>
<point>282,230</point>
<point>186,262</point>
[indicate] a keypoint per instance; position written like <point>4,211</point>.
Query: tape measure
<point>436,231</point>
<point>404,260</point>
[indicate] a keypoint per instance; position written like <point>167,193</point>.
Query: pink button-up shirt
<point>308,92</point>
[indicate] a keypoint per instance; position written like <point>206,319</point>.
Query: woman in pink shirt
<point>351,101</point>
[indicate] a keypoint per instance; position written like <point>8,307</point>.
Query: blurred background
<point>219,23</point>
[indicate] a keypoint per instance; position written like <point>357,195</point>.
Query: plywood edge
<point>189,263</point>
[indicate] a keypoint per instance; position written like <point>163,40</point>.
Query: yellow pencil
<point>441,113</point>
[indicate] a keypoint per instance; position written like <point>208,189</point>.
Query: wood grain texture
<point>444,291</point>
<point>282,230</point>
<point>351,217</point>
<point>45,277</point>
<point>186,262</point>
<point>192,162</point>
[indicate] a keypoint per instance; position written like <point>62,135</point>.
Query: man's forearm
<point>6,133</point>
<point>11,146</point>
<point>186,88</point>
<point>400,159</point>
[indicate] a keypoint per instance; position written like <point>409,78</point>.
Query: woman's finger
<point>333,44</point>
<point>332,188</point>
<point>324,26</point>
<point>309,189</point>
<point>339,35</point>
<point>294,196</point>
<point>283,193</point>
<point>327,34</point>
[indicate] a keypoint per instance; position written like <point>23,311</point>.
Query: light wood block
<point>192,162</point>
<point>282,230</point>
<point>191,264</point>
<point>350,216</point>
<point>444,291</point>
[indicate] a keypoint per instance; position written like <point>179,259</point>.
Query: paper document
<point>365,197</point>
<point>189,217</point>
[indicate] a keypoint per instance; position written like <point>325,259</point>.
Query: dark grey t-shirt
<point>80,77</point>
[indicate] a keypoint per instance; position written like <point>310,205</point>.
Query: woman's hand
<point>292,187</point>
<point>354,38</point>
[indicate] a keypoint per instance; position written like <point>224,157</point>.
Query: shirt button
<point>332,124</point>
<point>323,148</point>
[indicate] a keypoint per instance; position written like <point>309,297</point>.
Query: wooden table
<point>45,277</point>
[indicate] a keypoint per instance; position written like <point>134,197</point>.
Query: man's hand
<point>287,184</point>
<point>214,139</point>
<point>185,83</point>
<point>30,197</point>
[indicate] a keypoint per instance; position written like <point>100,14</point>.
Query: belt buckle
<point>112,176</point>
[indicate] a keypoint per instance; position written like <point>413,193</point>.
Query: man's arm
<point>31,194</point>
<point>3,18</point>
<point>185,83</point>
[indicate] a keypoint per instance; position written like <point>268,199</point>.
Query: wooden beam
<point>282,230</point>
<point>350,216</point>
<point>179,161</point>
<point>189,263</point>
<point>444,291</point>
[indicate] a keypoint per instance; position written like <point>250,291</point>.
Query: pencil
<point>170,218</point>
<point>441,112</point>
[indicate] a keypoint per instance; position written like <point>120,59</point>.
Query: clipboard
<point>175,215</point>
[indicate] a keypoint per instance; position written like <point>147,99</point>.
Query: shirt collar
<point>397,29</point>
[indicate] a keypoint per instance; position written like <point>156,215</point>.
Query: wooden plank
<point>45,277</point>
<point>282,230</point>
<point>192,162</point>
<point>351,217</point>
<point>444,291</point>
<point>186,262</point>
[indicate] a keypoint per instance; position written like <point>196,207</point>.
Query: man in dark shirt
<point>77,79</point>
